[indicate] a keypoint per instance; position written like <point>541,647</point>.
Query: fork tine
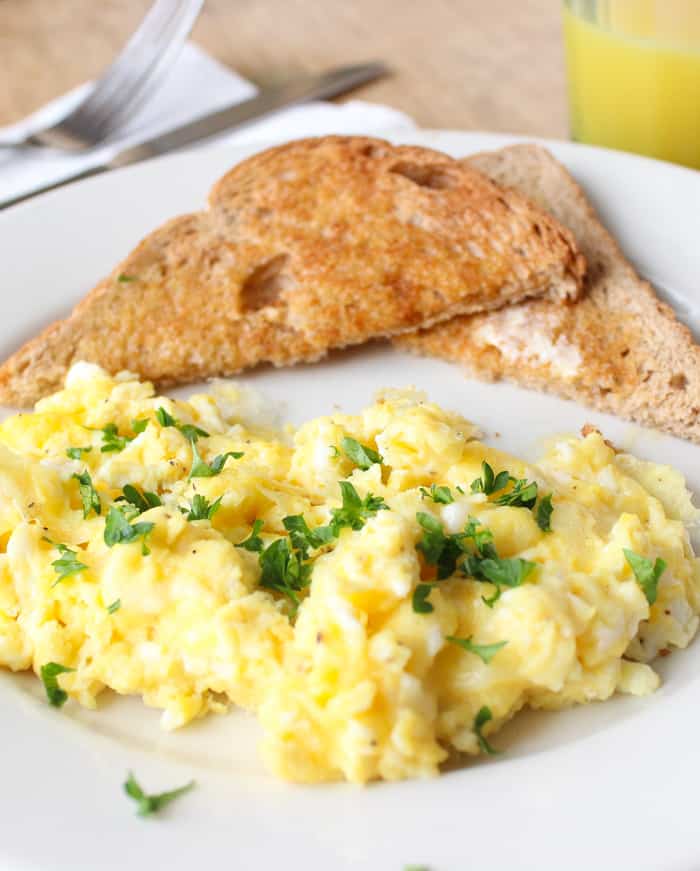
<point>167,31</point>
<point>151,77</point>
<point>128,65</point>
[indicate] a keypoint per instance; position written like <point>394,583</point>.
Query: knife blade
<point>332,83</point>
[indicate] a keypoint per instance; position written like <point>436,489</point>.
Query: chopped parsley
<point>471,551</point>
<point>543,514</point>
<point>114,607</point>
<point>77,453</point>
<point>488,482</point>
<point>502,573</point>
<point>68,564</point>
<point>303,538</point>
<point>420,602</point>
<point>361,455</point>
<point>89,496</point>
<point>112,442</point>
<point>482,718</point>
<point>284,570</point>
<point>481,537</point>
<point>141,500</point>
<point>523,494</point>
<point>202,469</point>
<point>49,676</point>
<point>254,543</point>
<point>119,530</point>
<point>125,279</point>
<point>439,549</point>
<point>485,652</point>
<point>646,573</point>
<point>151,804</point>
<point>354,510</point>
<point>201,508</point>
<point>191,432</point>
<point>164,417</point>
<point>438,494</point>
<point>286,564</point>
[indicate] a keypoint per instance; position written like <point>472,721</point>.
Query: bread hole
<point>427,176</point>
<point>504,203</point>
<point>373,150</point>
<point>265,284</point>
<point>678,381</point>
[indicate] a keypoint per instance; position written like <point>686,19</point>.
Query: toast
<point>312,245</point>
<point>619,349</point>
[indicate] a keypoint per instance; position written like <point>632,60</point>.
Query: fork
<point>125,84</point>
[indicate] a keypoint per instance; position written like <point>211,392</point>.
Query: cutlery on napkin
<point>197,85</point>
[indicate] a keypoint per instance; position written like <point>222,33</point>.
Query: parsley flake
<point>143,501</point>
<point>523,494</point>
<point>482,718</point>
<point>164,417</point>
<point>502,573</point>
<point>67,564</point>
<point>202,469</point>
<point>49,676</point>
<point>303,538</point>
<point>151,804</point>
<point>139,426</point>
<point>439,549</point>
<point>284,570</point>
<point>112,442</point>
<point>544,513</point>
<point>114,607</point>
<point>191,432</point>
<point>77,453</point>
<point>254,543</point>
<point>89,496</point>
<point>438,494</point>
<point>125,279</point>
<point>201,508</point>
<point>118,529</point>
<point>361,455</point>
<point>485,652</point>
<point>354,511</point>
<point>420,602</point>
<point>646,573</point>
<point>488,482</point>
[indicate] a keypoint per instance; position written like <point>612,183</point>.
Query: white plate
<point>610,785</point>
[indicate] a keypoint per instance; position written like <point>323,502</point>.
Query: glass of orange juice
<point>634,75</point>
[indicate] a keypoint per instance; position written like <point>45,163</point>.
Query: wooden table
<point>469,64</point>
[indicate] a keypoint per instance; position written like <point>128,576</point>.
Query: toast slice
<point>312,245</point>
<point>619,349</point>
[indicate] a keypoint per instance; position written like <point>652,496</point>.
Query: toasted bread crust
<point>313,245</point>
<point>618,349</point>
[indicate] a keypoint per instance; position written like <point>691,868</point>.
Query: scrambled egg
<point>373,639</point>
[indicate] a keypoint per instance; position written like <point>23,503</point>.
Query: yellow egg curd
<point>381,589</point>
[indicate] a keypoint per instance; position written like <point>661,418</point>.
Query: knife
<point>300,90</point>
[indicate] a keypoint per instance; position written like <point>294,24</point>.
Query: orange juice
<point>634,76</point>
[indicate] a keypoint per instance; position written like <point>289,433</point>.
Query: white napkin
<point>196,85</point>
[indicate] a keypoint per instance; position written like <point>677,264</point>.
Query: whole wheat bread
<point>316,244</point>
<point>619,349</point>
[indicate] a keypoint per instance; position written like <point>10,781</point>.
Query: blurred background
<point>469,64</point>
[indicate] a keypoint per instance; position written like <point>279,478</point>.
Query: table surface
<point>464,64</point>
